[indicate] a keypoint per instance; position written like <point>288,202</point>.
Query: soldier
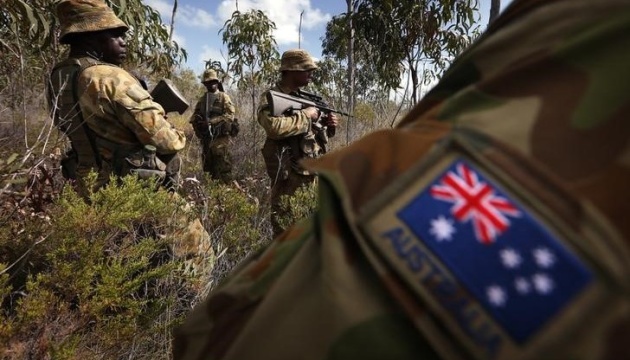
<point>214,124</point>
<point>492,223</point>
<point>116,128</point>
<point>290,137</point>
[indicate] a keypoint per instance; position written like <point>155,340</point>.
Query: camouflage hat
<point>296,60</point>
<point>209,75</point>
<point>79,16</point>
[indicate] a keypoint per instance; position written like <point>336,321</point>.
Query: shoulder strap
<point>84,63</point>
<point>68,116</point>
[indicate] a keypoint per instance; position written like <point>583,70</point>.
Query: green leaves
<point>99,280</point>
<point>394,38</point>
<point>252,50</point>
<point>30,18</point>
<point>29,27</point>
<point>150,45</point>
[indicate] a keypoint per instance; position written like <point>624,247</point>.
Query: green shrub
<point>299,206</point>
<point>235,220</point>
<point>98,280</point>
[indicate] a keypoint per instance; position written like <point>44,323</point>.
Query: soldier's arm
<point>229,110</point>
<point>198,121</point>
<point>278,127</point>
<point>135,109</point>
<point>197,113</point>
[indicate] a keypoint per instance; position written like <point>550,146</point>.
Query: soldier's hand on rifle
<point>312,112</point>
<point>331,120</point>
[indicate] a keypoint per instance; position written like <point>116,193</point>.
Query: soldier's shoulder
<point>272,88</point>
<point>104,70</point>
<point>116,82</point>
<point>263,97</point>
<point>70,61</point>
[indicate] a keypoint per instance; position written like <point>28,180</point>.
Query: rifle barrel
<point>281,102</point>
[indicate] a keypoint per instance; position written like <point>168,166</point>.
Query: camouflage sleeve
<point>229,110</point>
<point>197,113</point>
<point>200,126</point>
<point>343,312</point>
<point>133,115</point>
<point>278,127</point>
<point>492,223</point>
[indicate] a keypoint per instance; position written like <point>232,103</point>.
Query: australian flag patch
<point>518,270</point>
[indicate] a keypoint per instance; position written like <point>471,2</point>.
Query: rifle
<point>281,103</point>
<point>209,111</point>
<point>166,94</point>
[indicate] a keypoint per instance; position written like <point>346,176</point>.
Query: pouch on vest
<point>226,128</point>
<point>218,128</point>
<point>66,113</point>
<point>321,137</point>
<point>144,163</point>
<point>303,146</point>
<point>501,262</point>
<point>308,145</point>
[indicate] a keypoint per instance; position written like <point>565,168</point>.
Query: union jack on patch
<point>508,258</point>
<point>476,201</point>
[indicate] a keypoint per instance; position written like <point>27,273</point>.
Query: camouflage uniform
<point>523,145</point>
<point>117,116</point>
<point>129,119</point>
<point>290,138</point>
<point>216,130</point>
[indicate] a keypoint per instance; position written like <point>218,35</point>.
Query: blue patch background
<point>478,265</point>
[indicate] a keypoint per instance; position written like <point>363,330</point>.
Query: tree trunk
<point>300,30</point>
<point>413,72</point>
<point>255,146</point>
<point>495,7</point>
<point>350,111</point>
<point>170,34</point>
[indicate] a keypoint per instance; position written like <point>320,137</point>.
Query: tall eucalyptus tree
<point>28,42</point>
<point>253,58</point>
<point>495,7</point>
<point>395,38</point>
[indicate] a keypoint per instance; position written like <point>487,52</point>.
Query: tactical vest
<point>208,110</point>
<point>214,123</point>
<point>283,156</point>
<point>66,113</point>
<point>67,116</point>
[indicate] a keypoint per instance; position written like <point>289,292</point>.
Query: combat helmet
<point>79,16</point>
<point>296,60</point>
<point>209,75</point>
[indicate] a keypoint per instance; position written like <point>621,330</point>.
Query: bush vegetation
<point>111,278</point>
<point>104,279</point>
